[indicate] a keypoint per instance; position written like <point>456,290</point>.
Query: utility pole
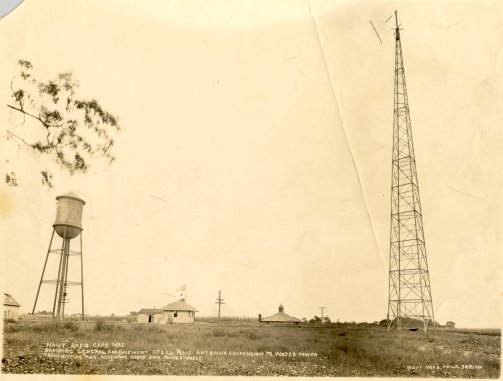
<point>322,308</point>
<point>219,301</point>
<point>409,302</point>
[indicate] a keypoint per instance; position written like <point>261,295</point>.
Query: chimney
<point>281,308</point>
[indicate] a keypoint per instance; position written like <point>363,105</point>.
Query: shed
<point>179,312</point>
<point>280,317</point>
<point>10,307</point>
<point>149,315</point>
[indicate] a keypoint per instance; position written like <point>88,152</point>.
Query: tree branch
<point>27,113</point>
<point>10,133</point>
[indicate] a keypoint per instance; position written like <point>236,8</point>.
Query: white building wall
<point>11,312</point>
<point>182,317</point>
<point>143,318</point>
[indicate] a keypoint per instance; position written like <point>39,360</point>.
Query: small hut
<point>280,317</point>
<point>10,307</point>
<point>149,315</point>
<point>179,312</point>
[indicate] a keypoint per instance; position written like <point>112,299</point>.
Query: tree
<point>56,123</point>
<point>384,322</point>
<point>316,320</point>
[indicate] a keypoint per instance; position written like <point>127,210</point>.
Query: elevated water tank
<point>68,222</point>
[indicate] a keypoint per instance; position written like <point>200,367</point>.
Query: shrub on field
<point>51,326</point>
<point>252,336</point>
<point>471,340</point>
<point>71,325</point>
<point>384,323</point>
<point>219,332</point>
<point>101,325</point>
<point>11,328</point>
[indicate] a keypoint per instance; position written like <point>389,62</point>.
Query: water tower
<point>68,225</point>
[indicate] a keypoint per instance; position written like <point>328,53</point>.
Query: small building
<point>149,315</point>
<point>280,317</point>
<point>10,307</point>
<point>178,312</point>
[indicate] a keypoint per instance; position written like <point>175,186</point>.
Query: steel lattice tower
<point>410,302</point>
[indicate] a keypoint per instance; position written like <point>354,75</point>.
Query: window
<point>176,314</point>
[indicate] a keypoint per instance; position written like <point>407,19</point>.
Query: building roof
<point>149,311</point>
<point>179,305</point>
<point>8,300</point>
<point>281,317</point>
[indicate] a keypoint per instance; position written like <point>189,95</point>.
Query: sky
<point>255,154</point>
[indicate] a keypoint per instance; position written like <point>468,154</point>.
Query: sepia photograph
<point>305,188</point>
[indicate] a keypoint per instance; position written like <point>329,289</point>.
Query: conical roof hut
<point>281,317</point>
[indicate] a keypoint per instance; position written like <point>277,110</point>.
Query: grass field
<point>248,350</point>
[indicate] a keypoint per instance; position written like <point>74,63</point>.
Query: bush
<point>100,326</point>
<point>218,332</point>
<point>384,323</point>
<point>11,328</point>
<point>50,326</point>
<point>71,325</point>
<point>252,336</point>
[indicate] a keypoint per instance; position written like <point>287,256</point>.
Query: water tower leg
<point>59,275</point>
<point>62,284</point>
<point>63,299</point>
<point>43,271</point>
<point>82,275</point>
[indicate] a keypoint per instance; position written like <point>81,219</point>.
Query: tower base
<point>62,282</point>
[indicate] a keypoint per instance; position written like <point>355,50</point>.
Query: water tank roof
<point>72,196</point>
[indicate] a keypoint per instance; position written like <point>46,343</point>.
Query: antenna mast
<point>322,308</point>
<point>409,303</point>
<point>219,301</point>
